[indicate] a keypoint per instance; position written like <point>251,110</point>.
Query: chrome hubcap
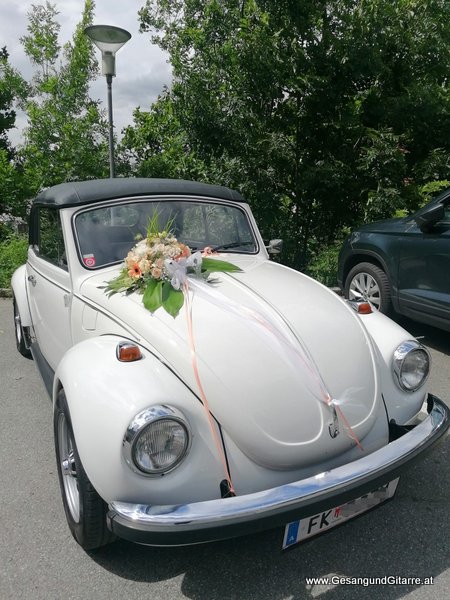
<point>364,288</point>
<point>68,468</point>
<point>18,328</point>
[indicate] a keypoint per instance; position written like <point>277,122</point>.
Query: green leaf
<point>172,300</point>
<point>219,266</point>
<point>122,283</point>
<point>152,298</point>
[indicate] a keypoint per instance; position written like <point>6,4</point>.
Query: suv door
<point>49,285</point>
<point>424,272</point>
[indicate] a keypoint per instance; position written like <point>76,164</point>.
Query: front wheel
<point>19,333</point>
<point>368,283</point>
<point>85,510</point>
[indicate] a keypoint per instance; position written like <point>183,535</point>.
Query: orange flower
<point>135,271</point>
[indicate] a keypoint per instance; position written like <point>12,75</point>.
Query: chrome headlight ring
<point>156,441</point>
<point>411,365</point>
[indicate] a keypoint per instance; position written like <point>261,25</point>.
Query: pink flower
<point>185,251</point>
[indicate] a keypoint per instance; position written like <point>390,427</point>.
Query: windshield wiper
<point>231,245</point>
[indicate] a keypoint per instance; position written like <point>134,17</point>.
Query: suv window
<point>51,240</point>
<point>447,213</point>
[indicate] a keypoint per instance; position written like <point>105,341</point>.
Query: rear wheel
<point>85,510</point>
<point>19,333</point>
<point>368,283</point>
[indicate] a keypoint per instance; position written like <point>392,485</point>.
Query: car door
<point>424,272</point>
<point>49,285</point>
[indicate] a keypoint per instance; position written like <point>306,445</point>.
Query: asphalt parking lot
<point>408,537</point>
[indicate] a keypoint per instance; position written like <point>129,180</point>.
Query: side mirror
<point>275,246</point>
<point>426,219</point>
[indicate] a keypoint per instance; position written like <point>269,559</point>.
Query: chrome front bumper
<point>229,517</point>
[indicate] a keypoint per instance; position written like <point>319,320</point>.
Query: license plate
<point>303,529</point>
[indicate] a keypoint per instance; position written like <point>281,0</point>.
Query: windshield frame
<point>162,199</point>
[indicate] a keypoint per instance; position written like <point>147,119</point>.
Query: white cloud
<point>142,68</point>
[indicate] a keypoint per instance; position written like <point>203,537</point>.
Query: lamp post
<point>109,40</point>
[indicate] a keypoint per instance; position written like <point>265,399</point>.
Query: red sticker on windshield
<point>89,260</point>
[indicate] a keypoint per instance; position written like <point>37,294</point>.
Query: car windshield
<point>105,235</point>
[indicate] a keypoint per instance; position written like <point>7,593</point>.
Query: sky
<point>142,68</point>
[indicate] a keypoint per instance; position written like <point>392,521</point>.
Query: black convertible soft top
<point>87,192</point>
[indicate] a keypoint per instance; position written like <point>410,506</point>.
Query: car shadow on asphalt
<point>407,537</point>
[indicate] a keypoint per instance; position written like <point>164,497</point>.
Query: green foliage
<point>13,186</point>
<point>41,43</point>
<point>171,300</point>
<point>431,189</point>
<point>323,266</point>
<point>13,90</point>
<point>322,113</point>
<point>67,133</point>
<point>13,253</point>
<point>157,146</point>
<point>215,265</point>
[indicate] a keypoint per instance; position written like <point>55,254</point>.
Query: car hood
<point>389,225</point>
<point>268,341</point>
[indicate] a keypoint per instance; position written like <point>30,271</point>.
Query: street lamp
<point>109,40</point>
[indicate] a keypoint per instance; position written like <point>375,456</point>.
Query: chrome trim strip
<point>309,491</point>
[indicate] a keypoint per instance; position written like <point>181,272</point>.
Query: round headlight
<point>156,441</point>
<point>411,365</point>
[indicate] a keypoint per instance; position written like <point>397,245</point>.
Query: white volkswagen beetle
<point>200,390</point>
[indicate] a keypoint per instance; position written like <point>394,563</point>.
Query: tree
<point>157,146</point>
<point>66,135</point>
<point>41,44</point>
<point>322,112</point>
<point>13,89</point>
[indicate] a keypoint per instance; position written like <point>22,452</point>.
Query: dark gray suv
<point>402,265</point>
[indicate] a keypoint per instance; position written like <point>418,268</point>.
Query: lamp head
<point>109,40</point>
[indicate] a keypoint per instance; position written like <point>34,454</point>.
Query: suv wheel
<point>368,283</point>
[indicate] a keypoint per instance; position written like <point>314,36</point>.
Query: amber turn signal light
<point>364,308</point>
<point>128,352</point>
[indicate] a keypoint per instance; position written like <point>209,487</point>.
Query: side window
<point>51,241</point>
<point>447,213</point>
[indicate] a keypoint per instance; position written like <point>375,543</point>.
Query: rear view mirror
<point>429,217</point>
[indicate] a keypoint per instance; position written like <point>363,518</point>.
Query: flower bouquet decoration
<point>158,266</point>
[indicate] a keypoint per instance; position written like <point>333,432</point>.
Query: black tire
<point>369,283</point>
<point>19,333</point>
<point>85,510</point>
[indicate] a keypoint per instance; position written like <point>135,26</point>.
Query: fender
<point>387,336</point>
<point>104,395</point>
<point>19,287</point>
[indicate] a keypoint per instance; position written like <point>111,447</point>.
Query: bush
<point>323,266</point>
<point>13,253</point>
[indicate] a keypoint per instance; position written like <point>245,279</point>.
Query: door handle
<point>32,280</point>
